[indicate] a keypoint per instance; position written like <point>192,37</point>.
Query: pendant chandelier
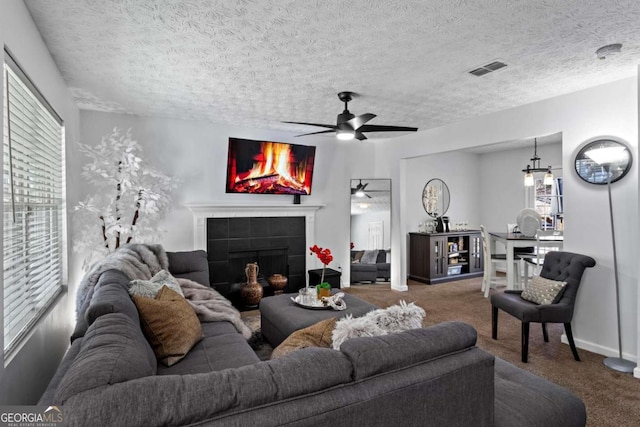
<point>535,167</point>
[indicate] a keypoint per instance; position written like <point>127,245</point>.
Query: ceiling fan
<point>359,190</point>
<point>349,126</point>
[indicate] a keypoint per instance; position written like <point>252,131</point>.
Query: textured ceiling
<point>256,63</point>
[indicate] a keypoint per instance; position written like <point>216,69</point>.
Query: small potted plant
<point>325,257</point>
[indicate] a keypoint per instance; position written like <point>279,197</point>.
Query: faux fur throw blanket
<point>210,306</point>
<point>136,260</point>
<point>383,321</point>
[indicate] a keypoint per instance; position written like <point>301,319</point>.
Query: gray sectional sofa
<point>363,272</point>
<point>431,376</point>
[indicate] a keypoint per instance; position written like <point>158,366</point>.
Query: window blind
<point>32,205</point>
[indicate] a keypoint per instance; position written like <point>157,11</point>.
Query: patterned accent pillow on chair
<point>543,291</point>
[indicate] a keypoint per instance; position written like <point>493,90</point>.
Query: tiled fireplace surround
<point>232,232</point>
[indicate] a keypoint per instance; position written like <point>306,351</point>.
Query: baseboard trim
<point>602,350</point>
<point>401,288</point>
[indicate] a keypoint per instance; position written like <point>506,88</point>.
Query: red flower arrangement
<point>324,255</point>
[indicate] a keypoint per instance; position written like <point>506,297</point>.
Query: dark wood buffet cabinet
<point>444,257</point>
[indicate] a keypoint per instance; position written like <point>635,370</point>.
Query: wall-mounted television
<point>266,167</point>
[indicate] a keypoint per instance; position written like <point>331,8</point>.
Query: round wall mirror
<point>436,198</point>
<point>603,161</point>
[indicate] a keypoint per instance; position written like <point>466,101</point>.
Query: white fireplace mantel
<point>202,211</point>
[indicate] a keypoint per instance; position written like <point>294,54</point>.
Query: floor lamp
<point>610,161</point>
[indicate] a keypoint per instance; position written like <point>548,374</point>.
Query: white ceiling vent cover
<point>488,68</point>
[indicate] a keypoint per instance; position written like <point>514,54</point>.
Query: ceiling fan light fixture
<point>349,126</point>
<point>345,135</point>
<point>359,193</point>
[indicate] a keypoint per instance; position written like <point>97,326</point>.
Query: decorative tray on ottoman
<point>318,305</point>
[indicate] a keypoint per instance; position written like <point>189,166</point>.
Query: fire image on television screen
<point>269,167</point>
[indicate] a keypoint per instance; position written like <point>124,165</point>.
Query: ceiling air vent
<point>486,69</point>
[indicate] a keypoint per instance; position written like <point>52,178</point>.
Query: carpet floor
<point>612,398</point>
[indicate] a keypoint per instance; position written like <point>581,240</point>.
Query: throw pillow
<point>543,291</point>
<point>369,257</point>
<point>150,288</point>
<point>170,324</point>
<point>396,318</point>
<point>357,256</point>
<point>316,335</point>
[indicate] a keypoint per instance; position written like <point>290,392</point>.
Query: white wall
<point>196,153</point>
<point>607,110</point>
<point>360,229</point>
<point>501,188</point>
<point>459,170</point>
<point>24,378</point>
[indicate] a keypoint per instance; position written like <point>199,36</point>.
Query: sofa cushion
<point>221,348</point>
<point>170,324</point>
<point>543,291</point>
<point>113,351</point>
<point>111,295</point>
<point>150,288</point>
<point>373,355</point>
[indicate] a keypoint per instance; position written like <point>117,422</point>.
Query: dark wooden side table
<point>331,276</point>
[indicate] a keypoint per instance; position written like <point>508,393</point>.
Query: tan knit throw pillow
<point>170,325</point>
<point>316,335</point>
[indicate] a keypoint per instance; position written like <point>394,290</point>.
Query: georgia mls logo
<point>31,416</point>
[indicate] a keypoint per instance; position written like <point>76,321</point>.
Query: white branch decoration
<point>129,200</point>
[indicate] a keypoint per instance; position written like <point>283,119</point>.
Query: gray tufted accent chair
<point>563,266</point>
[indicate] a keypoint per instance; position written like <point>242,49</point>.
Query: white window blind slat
<point>33,208</point>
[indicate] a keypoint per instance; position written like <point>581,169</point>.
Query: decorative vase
<point>251,292</point>
<point>278,282</point>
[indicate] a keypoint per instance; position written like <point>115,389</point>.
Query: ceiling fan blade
<point>368,196</point>
<point>360,120</point>
<point>313,124</point>
<point>364,186</point>
<point>382,128</point>
<point>360,136</point>
<point>315,133</point>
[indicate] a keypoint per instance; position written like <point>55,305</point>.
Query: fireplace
<point>277,244</point>
<point>270,261</point>
<point>236,234</point>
